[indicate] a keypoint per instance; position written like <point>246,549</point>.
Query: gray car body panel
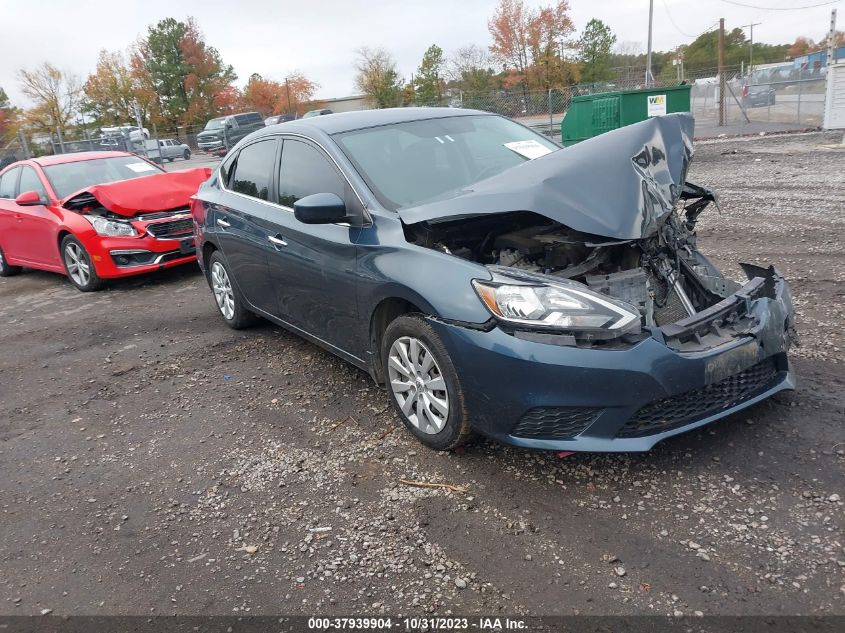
<point>579,186</point>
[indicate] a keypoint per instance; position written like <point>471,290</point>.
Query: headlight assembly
<point>541,302</point>
<point>111,228</point>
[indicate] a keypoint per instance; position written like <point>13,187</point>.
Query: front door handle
<point>223,223</point>
<point>276,241</point>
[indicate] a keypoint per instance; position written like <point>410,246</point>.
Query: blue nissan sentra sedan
<point>494,282</point>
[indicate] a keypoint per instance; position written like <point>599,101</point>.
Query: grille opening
<point>555,423</point>
<point>671,413</point>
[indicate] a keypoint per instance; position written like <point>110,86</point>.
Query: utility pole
<point>751,45</point>
<point>649,77</point>
<point>140,128</point>
<point>830,37</point>
<point>24,144</point>
<point>721,71</point>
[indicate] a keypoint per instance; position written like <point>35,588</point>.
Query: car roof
<point>348,121</point>
<point>59,159</point>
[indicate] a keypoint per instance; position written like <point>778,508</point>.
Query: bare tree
<point>56,94</point>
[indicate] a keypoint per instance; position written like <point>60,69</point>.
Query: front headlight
<point>556,305</point>
<point>111,228</point>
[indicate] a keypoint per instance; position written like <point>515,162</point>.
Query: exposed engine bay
<point>664,275</point>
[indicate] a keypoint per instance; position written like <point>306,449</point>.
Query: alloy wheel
<point>222,288</point>
<point>77,264</point>
<point>418,385</point>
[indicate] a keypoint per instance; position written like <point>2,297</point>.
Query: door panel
<point>239,221</point>
<point>34,229</point>
<point>314,272</point>
<point>8,208</point>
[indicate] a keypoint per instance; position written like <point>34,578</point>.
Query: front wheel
<point>423,384</point>
<point>80,270</point>
<point>6,269</point>
<point>187,155</point>
<point>226,295</point>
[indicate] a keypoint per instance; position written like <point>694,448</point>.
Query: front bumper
<point>547,396</point>
<point>115,257</point>
<point>214,146</point>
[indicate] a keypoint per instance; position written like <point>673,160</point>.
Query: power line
<point>808,6</point>
<point>677,28</point>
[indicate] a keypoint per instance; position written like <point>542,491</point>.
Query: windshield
<point>215,124</point>
<point>69,178</point>
<point>409,163</point>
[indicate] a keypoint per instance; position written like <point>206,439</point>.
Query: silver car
<point>170,149</point>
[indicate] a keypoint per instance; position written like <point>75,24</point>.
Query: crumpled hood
<point>149,194</point>
<point>620,184</point>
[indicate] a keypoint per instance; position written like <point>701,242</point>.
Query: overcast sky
<point>320,37</point>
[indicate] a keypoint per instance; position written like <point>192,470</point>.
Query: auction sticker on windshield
<point>529,149</point>
<point>140,167</point>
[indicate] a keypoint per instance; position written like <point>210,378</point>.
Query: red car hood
<point>149,194</point>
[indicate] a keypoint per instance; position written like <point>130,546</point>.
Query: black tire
<point>239,317</point>
<point>186,154</point>
<point>456,430</point>
<point>169,160</point>
<point>89,282</point>
<point>6,269</point>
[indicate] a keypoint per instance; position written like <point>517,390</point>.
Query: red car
<point>95,216</point>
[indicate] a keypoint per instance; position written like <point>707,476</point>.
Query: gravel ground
<point>153,461</point>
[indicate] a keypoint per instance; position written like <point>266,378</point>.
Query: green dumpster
<point>591,115</point>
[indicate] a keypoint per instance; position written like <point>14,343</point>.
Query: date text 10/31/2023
<point>417,623</point>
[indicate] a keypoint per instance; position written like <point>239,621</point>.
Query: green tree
<point>8,119</point>
<point>595,48</point>
<point>429,79</point>
<point>703,53</point>
<point>188,77</point>
<point>377,78</point>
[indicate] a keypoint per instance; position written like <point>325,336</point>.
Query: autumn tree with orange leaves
<point>190,82</point>
<point>527,42</point>
<point>113,88</point>
<point>274,97</point>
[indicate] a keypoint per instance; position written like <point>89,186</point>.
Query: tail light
<point>745,91</point>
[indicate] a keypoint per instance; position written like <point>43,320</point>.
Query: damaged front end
<point>554,279</point>
<point>578,263</point>
<point>548,281</point>
<point>140,224</point>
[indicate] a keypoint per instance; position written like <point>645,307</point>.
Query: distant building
<point>346,104</point>
<point>812,63</point>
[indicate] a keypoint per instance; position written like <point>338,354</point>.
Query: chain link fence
<point>781,100</point>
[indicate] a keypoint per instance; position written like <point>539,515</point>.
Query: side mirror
<point>29,199</point>
<point>320,208</point>
<point>229,126</point>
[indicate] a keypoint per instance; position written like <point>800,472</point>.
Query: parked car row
<point>490,280</point>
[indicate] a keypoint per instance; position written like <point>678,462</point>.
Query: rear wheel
<point>226,295</point>
<point>78,265</point>
<point>423,385</point>
<point>6,269</point>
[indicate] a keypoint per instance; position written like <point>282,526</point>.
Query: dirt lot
<point>153,461</point>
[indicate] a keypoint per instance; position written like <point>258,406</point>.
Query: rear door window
<point>253,170</point>
<point>305,170</point>
<point>8,183</point>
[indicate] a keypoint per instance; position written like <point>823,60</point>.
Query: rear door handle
<point>223,223</point>
<point>276,241</point>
